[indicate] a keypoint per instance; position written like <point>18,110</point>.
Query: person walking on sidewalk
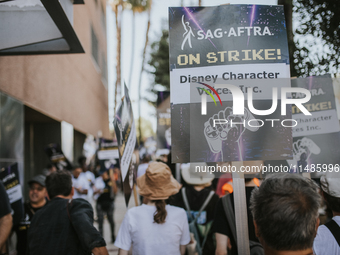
<point>80,183</point>
<point>155,228</point>
<point>105,189</point>
<point>64,226</point>
<point>327,240</point>
<point>199,200</point>
<point>285,212</point>
<point>37,200</point>
<point>6,219</point>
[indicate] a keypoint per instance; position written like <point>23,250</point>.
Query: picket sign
<point>306,175</point>
<point>240,204</point>
<point>178,172</point>
<point>135,194</point>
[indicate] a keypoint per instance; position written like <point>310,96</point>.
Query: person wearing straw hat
<point>154,228</point>
<point>199,200</point>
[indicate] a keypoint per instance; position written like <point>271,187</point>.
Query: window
<point>94,44</point>
<point>104,70</point>
<point>103,17</point>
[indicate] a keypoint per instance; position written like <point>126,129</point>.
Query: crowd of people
<point>195,216</point>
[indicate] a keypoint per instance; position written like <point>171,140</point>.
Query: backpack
<point>254,247</point>
<point>197,230</point>
<point>335,230</point>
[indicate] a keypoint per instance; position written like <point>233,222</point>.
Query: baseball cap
<point>330,183</point>
<point>40,179</point>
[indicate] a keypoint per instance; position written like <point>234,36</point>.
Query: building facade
<point>55,98</point>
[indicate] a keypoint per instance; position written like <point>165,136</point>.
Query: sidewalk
<point>119,213</point>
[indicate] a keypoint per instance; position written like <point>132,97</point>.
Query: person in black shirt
<point>64,226</point>
<point>5,218</point>
<point>37,199</point>
<point>105,186</point>
<point>224,238</point>
<point>197,190</point>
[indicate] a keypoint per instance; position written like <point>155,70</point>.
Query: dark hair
<point>49,166</point>
<point>76,167</point>
<point>81,160</point>
<point>160,214</point>
<point>59,183</point>
<point>146,158</point>
<point>285,209</point>
<point>333,203</point>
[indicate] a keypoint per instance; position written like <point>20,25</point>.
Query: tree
<point>138,6</point>
<point>145,128</point>
<point>317,37</point>
<point>142,69</point>
<point>118,7</point>
<point>288,10</point>
<point>160,62</point>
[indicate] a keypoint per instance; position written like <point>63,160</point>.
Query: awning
<point>30,27</point>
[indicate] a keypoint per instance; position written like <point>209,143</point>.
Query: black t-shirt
<point>106,196</point>
<point>221,225</point>
<point>196,200</point>
<point>5,206</point>
<point>58,228</point>
<point>22,228</point>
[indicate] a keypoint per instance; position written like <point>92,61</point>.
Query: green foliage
<point>318,46</point>
<point>139,5</point>
<point>160,61</point>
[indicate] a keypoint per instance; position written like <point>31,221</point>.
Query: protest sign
<point>125,130</point>
<point>107,153</point>
<point>57,157</point>
<point>10,178</point>
<point>240,45</point>
<point>316,138</point>
<point>163,120</point>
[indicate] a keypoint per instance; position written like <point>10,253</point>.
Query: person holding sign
<point>64,225</point>
<point>155,228</point>
<point>226,242</point>
<point>199,200</point>
<point>327,240</point>
<point>105,189</point>
<point>80,183</point>
<point>5,218</point>
<point>37,200</point>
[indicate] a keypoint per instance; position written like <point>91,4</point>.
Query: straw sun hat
<point>157,183</point>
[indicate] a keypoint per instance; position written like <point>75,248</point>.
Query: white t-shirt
<point>99,184</point>
<point>142,169</point>
<point>149,238</point>
<point>324,242</point>
<point>80,183</point>
<point>91,179</point>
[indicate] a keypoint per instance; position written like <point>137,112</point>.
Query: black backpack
<point>335,230</point>
<point>255,247</point>
<point>193,226</point>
